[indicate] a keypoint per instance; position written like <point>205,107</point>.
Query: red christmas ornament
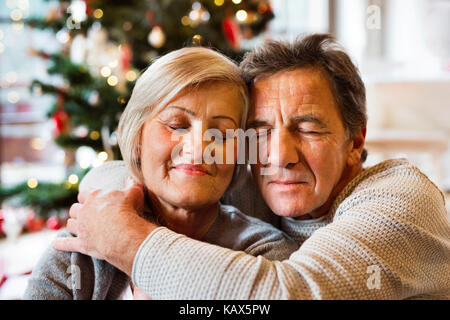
<point>3,276</point>
<point>232,32</point>
<point>53,223</point>
<point>37,53</point>
<point>1,221</point>
<point>61,119</point>
<point>126,56</point>
<point>150,15</point>
<point>34,223</point>
<point>88,7</point>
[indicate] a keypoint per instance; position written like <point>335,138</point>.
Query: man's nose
<point>284,151</point>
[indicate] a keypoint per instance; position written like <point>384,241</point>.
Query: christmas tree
<point>106,44</point>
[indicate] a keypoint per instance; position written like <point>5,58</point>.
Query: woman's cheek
<point>162,141</point>
<point>156,152</point>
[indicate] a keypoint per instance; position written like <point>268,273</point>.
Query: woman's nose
<point>193,144</point>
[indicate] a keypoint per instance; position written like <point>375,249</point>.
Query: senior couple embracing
<point>308,222</point>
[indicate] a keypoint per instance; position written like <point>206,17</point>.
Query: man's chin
<point>289,211</point>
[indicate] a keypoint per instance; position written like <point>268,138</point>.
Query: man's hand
<point>108,226</point>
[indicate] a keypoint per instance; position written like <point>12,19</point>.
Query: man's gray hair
<point>321,51</point>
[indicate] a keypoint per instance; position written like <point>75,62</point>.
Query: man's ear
<point>357,147</point>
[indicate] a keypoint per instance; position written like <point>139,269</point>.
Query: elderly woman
<point>183,93</point>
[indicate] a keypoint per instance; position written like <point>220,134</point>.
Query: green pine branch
<point>45,197</point>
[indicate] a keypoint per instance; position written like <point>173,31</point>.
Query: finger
<point>131,181</point>
<point>84,195</point>
<point>67,244</point>
<point>72,226</point>
<point>74,209</point>
<point>135,194</point>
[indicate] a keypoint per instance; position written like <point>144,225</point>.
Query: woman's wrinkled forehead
<point>214,98</point>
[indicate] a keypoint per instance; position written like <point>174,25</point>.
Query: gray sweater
<point>69,275</point>
<point>386,236</point>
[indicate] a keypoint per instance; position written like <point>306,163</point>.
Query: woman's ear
<point>357,147</point>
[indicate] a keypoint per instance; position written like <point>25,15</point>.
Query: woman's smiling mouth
<point>192,169</point>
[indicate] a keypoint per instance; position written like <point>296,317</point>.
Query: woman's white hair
<point>163,80</point>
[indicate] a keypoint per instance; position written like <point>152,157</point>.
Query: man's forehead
<point>293,93</point>
<point>305,81</point>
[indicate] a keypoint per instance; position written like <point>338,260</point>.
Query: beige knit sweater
<point>387,236</point>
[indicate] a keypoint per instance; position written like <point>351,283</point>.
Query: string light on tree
<point>98,13</point>
<point>131,75</point>
<point>241,15</point>
<point>13,97</point>
<point>84,164</point>
<point>94,135</point>
<point>37,144</point>
<point>197,15</point>
<point>16,15</point>
<point>156,37</point>
<point>94,98</point>
<point>205,16</point>
<point>73,179</point>
<point>197,40</point>
<point>185,21</point>
<point>121,100</point>
<point>102,156</point>
<point>105,71</point>
<point>193,15</point>
<point>63,36</point>
<point>112,81</point>
<point>32,183</point>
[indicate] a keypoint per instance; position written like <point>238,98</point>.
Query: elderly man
<point>366,233</point>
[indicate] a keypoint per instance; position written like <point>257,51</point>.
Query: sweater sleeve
<point>50,279</point>
<point>61,275</point>
<point>373,250</point>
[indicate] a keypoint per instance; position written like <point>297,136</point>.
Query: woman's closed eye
<point>178,125</point>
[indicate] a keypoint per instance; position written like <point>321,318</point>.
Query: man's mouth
<point>286,182</point>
